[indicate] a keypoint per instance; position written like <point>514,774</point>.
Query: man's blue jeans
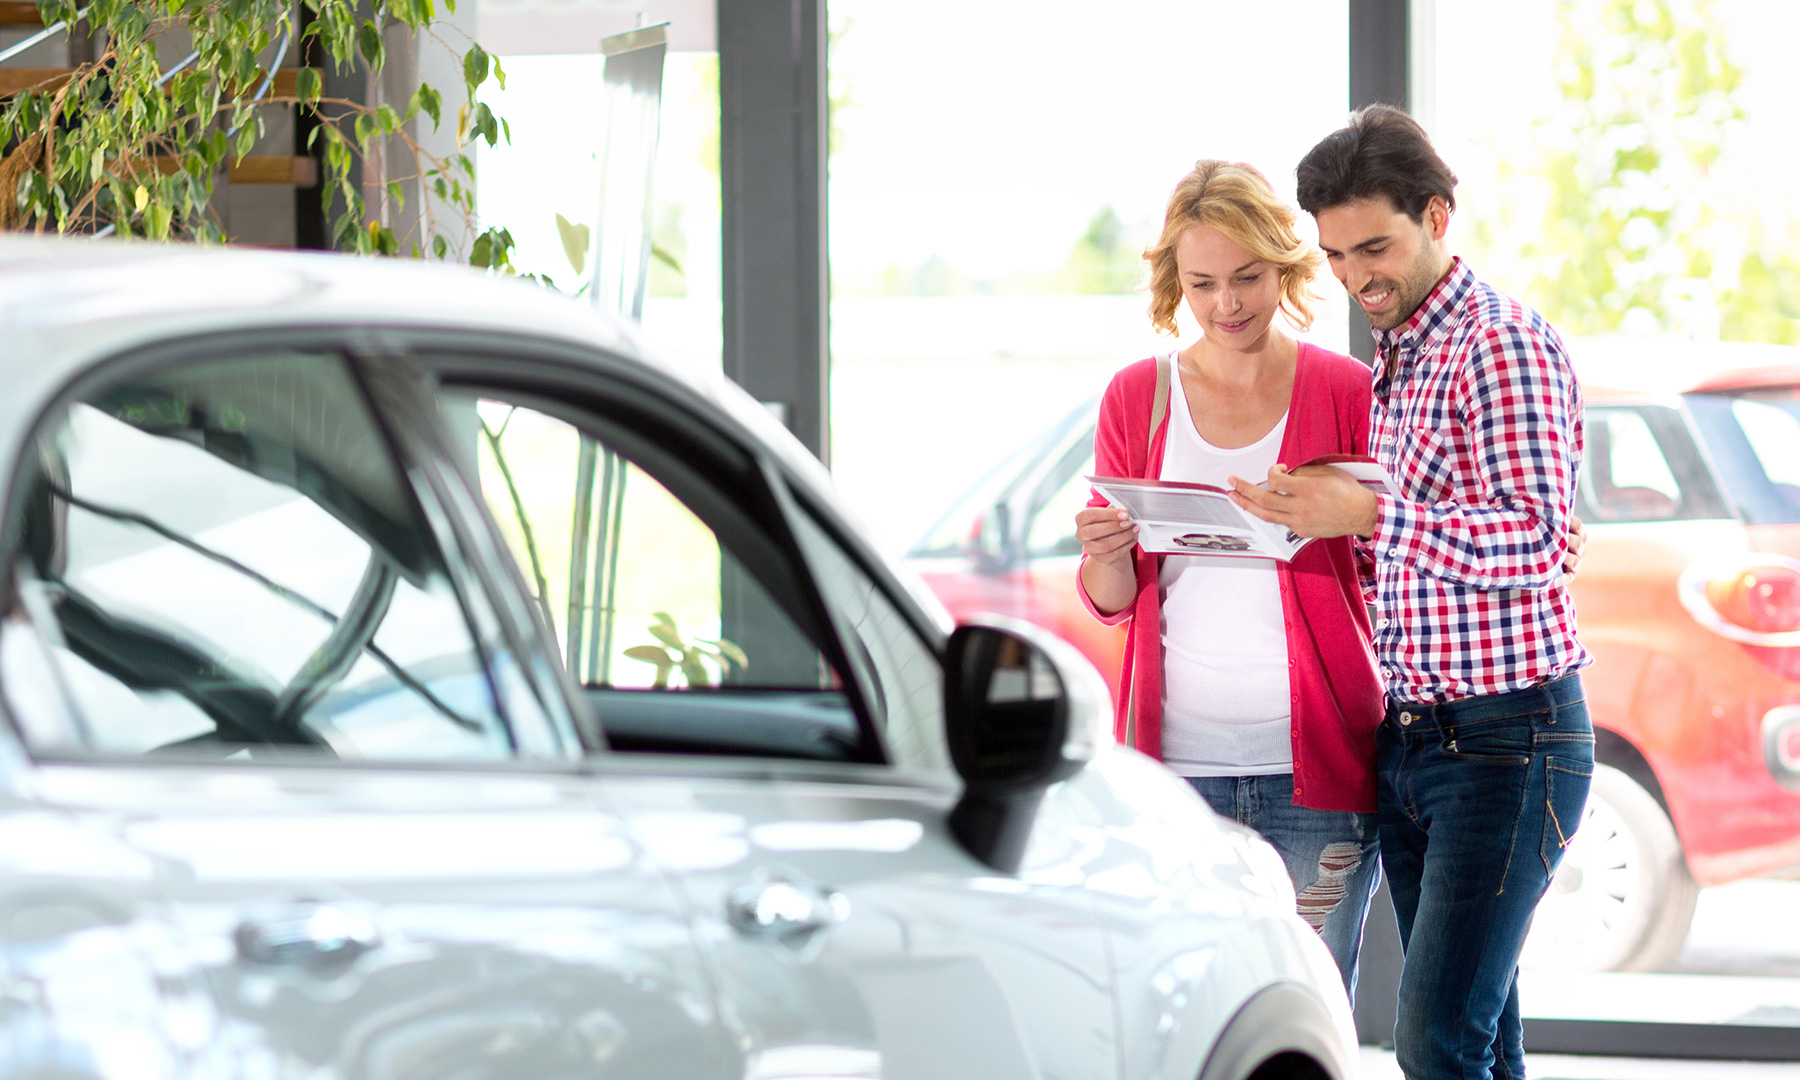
<point>1478,799</point>
<point>1332,856</point>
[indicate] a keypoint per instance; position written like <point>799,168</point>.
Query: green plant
<point>673,653</point>
<point>1646,224</point>
<point>134,142</point>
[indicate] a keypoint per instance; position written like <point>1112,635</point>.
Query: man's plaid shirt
<point>1477,417</point>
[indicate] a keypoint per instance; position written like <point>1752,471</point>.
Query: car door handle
<point>789,912</point>
<point>314,936</point>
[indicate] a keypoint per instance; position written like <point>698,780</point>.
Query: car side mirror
<point>1023,710</point>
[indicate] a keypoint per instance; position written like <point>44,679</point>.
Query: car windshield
<point>1754,440</point>
<point>959,531</point>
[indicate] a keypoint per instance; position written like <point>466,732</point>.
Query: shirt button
<point>1393,553</point>
<point>1406,719</point>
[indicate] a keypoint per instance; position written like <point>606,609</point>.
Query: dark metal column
<point>1380,56</point>
<point>772,104</point>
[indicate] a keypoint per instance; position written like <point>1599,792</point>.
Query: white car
<point>408,679</point>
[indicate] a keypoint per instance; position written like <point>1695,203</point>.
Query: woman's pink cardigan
<point>1337,698</point>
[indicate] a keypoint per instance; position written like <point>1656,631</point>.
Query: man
<point>1485,753</point>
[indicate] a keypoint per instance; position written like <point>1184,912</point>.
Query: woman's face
<point>1233,294</point>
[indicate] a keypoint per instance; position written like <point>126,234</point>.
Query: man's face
<point>1388,262</point>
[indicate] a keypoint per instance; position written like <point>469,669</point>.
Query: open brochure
<point>1174,518</point>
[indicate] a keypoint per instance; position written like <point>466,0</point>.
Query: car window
<point>225,561</point>
<point>1628,478</point>
<point>670,610</point>
<point>1052,531</point>
<point>905,674</point>
<point>981,521</point>
<point>1640,464</point>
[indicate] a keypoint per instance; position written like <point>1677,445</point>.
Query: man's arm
<point>1521,408</point>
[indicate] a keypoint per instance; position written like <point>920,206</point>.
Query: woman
<point>1251,677</point>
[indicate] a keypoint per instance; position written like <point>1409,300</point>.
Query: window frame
<point>569,382</point>
<point>378,388</point>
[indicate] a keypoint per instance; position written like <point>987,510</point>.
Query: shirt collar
<point>1435,314</point>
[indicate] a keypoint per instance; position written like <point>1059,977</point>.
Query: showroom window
<point>1631,183</point>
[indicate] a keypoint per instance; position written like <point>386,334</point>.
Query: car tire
<point>1623,897</point>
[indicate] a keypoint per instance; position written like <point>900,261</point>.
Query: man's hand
<point>1576,544</point>
<point>1317,501</point>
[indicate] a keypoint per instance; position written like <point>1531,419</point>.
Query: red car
<point>1689,601</point>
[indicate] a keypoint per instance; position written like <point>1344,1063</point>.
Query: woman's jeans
<point>1478,799</point>
<point>1331,855</point>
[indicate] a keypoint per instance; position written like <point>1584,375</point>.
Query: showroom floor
<point>1379,1065</point>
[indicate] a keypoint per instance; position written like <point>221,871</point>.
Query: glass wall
<point>996,169</point>
<point>543,185</point>
<point>1634,182</point>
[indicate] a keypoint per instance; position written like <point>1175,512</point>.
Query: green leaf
<point>695,671</point>
<point>157,219</point>
<point>662,255</point>
<point>426,100</point>
<point>439,246</point>
<point>483,252</point>
<point>369,43</point>
<point>484,125</point>
<point>499,73</point>
<point>662,661</point>
<point>668,636</point>
<point>475,68</point>
<point>396,193</point>
<point>366,130</point>
<point>663,618</point>
<point>574,242</point>
<point>308,84</point>
<point>729,649</point>
<point>246,139</point>
<point>388,118</point>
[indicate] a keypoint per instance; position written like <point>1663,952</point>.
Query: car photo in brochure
<point>1175,518</point>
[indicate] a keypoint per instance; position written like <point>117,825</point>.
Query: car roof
<point>1628,369</point>
<point>68,303</point>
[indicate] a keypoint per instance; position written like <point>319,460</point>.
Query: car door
<point>274,665</point>
<point>776,717</point>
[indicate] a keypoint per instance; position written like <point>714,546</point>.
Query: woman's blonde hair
<point>1235,199</point>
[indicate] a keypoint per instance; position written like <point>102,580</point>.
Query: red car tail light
<point>1763,598</point>
<point>1753,599</point>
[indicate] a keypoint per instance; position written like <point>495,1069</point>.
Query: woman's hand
<point>1106,534</point>
<point>1109,573</point>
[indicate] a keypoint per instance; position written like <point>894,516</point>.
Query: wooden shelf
<point>272,169</point>
<point>19,13</point>
<point>13,80</point>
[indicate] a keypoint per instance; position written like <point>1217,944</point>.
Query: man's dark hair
<point>1383,151</point>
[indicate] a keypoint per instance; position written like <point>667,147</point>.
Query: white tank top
<point>1226,694</point>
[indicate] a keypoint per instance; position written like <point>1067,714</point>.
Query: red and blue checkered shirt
<point>1477,417</point>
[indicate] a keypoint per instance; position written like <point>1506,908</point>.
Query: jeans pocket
<point>1566,783</point>
<point>1506,741</point>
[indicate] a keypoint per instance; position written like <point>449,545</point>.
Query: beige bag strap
<point>1159,408</point>
<point>1159,405</point>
